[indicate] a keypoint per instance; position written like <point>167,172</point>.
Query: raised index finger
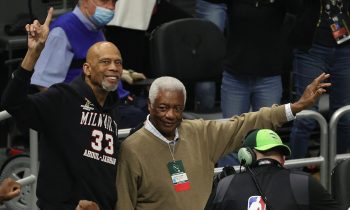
<point>49,17</point>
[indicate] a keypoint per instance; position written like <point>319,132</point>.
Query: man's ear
<point>283,160</point>
<point>87,69</point>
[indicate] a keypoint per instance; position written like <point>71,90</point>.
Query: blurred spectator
<point>255,60</point>
<point>321,40</point>
<point>215,11</point>
<point>9,189</point>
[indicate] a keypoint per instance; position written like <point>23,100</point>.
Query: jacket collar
<point>85,91</point>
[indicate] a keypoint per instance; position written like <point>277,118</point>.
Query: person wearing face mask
<point>70,37</point>
<point>102,16</point>
<point>65,51</point>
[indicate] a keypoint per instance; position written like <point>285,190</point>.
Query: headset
<point>246,156</point>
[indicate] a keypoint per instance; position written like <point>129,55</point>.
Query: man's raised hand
<point>37,33</point>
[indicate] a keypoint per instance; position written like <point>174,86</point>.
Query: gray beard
<point>109,88</point>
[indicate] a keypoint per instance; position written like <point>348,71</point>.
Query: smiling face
<point>103,67</point>
<point>166,111</point>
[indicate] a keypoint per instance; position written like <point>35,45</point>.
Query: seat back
<point>341,182</point>
<point>189,49</point>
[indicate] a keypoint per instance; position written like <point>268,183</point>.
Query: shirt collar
<point>150,127</point>
<point>86,21</point>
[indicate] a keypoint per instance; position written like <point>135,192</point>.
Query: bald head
<point>99,49</point>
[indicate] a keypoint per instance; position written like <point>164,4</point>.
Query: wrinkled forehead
<point>175,97</point>
<point>105,49</point>
<point>109,52</point>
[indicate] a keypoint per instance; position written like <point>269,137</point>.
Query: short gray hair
<point>167,84</point>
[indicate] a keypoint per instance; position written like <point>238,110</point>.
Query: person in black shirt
<point>79,122</point>
<point>256,56</point>
<point>266,183</point>
<point>321,41</point>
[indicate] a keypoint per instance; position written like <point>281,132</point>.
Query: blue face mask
<point>102,16</point>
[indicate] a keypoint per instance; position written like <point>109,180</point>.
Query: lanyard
<point>172,149</point>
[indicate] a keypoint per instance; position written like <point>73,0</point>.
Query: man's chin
<point>164,130</point>
<point>109,88</point>
<point>168,131</point>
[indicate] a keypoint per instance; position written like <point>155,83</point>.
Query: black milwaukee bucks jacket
<point>78,148</point>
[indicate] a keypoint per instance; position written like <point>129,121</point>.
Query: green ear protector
<point>246,156</point>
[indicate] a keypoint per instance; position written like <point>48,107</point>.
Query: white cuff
<point>289,113</point>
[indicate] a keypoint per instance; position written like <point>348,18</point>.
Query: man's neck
<point>100,94</point>
<point>277,158</point>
